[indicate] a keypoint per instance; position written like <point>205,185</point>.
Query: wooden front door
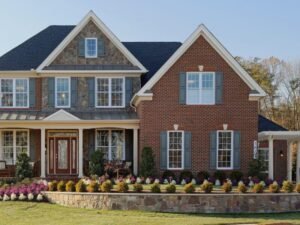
<point>63,155</point>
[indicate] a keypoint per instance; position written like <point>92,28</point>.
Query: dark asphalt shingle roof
<point>31,53</point>
<point>265,124</point>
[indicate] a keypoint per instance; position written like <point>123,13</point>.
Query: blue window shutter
<point>219,88</point>
<point>182,88</point>
<point>187,150</point>
<point>81,47</point>
<point>32,92</point>
<point>32,141</point>
<point>91,86</point>
<point>92,149</point>
<point>163,150</point>
<point>51,91</point>
<point>236,150</point>
<point>128,90</point>
<point>74,92</point>
<point>101,49</point>
<point>213,150</point>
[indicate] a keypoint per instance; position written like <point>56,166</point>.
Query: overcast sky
<point>259,28</point>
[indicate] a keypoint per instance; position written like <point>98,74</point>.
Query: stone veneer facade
<point>180,203</point>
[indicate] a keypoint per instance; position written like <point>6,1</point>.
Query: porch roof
<point>279,135</point>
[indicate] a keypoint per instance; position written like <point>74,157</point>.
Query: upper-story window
<point>14,93</point>
<point>91,47</point>
<point>62,92</point>
<point>110,92</point>
<point>225,150</point>
<point>200,88</point>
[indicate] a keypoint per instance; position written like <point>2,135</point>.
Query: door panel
<point>62,155</point>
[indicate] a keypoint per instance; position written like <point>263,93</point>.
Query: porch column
<point>135,151</point>
<point>289,159</point>
<point>80,153</point>
<point>271,158</point>
<point>43,157</point>
<point>298,162</point>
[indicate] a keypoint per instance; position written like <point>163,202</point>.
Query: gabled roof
<point>91,16</point>
<point>265,124</point>
<point>61,115</point>
<point>256,90</point>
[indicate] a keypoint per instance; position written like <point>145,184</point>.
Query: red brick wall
<point>164,110</point>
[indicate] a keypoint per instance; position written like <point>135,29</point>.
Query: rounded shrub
<point>202,176</point>
<point>207,187</point>
<point>227,187</point>
<point>80,186</point>
<point>70,186</point>
<point>137,187</point>
<point>258,188</point>
<point>287,186</point>
<point>155,188</point>
<point>106,186</point>
<point>186,175</point>
<point>52,185</point>
<point>167,174</point>
<point>92,187</point>
<point>274,187</point>
<point>122,186</point>
<point>61,186</point>
<point>297,189</point>
<point>242,188</point>
<point>189,188</point>
<point>171,188</point>
<point>236,175</point>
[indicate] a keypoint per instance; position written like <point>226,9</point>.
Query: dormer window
<point>91,48</point>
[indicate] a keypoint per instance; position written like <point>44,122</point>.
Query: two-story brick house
<point>71,90</point>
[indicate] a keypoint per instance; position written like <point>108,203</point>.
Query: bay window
<point>224,150</point>
<point>175,149</point>
<point>62,92</point>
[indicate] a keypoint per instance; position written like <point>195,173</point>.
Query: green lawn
<point>25,213</point>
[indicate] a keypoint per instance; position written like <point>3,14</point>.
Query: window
<point>91,47</point>
<point>175,150</point>
<point>225,149</point>
<point>111,143</point>
<point>14,93</point>
<point>263,154</point>
<point>200,88</point>
<point>62,92</point>
<point>110,92</point>
<point>13,142</point>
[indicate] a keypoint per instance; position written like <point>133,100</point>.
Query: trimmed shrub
<point>257,168</point>
<point>258,188</point>
<point>23,167</point>
<point>207,187</point>
<point>171,188</point>
<point>220,175</point>
<point>96,164</point>
<point>70,186</point>
<point>61,186</point>
<point>242,188</point>
<point>186,175</point>
<point>167,174</point>
<point>106,186</point>
<point>236,175</point>
<point>189,188</point>
<point>202,176</point>
<point>80,186</point>
<point>287,186</point>
<point>297,189</point>
<point>147,163</point>
<point>274,187</point>
<point>122,186</point>
<point>155,188</point>
<point>52,186</point>
<point>227,187</point>
<point>138,187</point>
<point>92,187</point>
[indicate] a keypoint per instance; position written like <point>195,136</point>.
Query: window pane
<point>102,85</point>
<point>21,85</point>
<point>117,142</point>
<point>7,85</point>
<point>102,92</point>
<point>175,149</point>
<point>62,92</point>
<point>91,47</point>
<point>7,92</point>
<point>21,100</point>
<point>224,149</point>
<point>7,100</point>
<point>117,92</point>
<point>7,146</point>
<point>103,142</point>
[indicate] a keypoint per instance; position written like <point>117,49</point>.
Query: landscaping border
<point>180,203</point>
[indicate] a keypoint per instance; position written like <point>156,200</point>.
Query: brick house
<point>71,90</point>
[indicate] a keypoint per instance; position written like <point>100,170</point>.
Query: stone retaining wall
<point>184,203</point>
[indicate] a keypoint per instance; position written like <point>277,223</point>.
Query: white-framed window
<point>224,149</point>
<point>14,93</point>
<point>175,151</point>
<point>112,143</point>
<point>12,143</point>
<point>62,92</point>
<point>263,154</point>
<point>200,88</point>
<point>110,92</point>
<point>91,49</point>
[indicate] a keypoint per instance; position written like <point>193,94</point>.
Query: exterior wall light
<point>225,126</point>
<point>175,126</point>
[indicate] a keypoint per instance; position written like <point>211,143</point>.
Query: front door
<point>62,155</point>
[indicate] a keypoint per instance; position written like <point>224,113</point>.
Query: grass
<point>30,213</point>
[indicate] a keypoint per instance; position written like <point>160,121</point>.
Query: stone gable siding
<point>69,56</point>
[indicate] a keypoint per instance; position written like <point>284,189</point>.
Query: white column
<point>80,153</point>
<point>43,156</point>
<point>271,158</point>
<point>135,151</point>
<point>298,162</point>
<point>289,159</point>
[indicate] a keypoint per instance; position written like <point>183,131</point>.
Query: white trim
<point>232,147</point>
<point>279,135</point>
<point>15,93</point>
<point>182,149</point>
<point>91,16</point>
<point>85,48</point>
<point>203,31</point>
<point>109,92</point>
<point>69,92</point>
<point>61,115</point>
